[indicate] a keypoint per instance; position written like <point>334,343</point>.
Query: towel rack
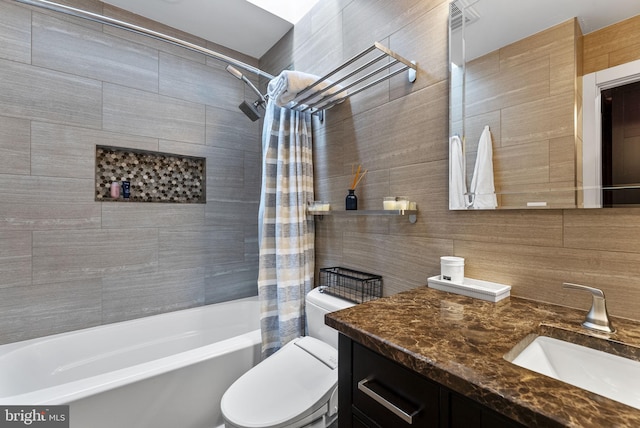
<point>316,102</point>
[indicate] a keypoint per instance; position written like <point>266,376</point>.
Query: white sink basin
<point>605,374</point>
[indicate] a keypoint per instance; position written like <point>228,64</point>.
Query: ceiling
<point>251,30</point>
<point>235,24</point>
<point>502,22</point>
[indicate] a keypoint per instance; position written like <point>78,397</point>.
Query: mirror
<point>516,123</point>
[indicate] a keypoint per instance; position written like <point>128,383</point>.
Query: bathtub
<point>167,370</point>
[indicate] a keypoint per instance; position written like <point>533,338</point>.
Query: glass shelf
<point>411,213</point>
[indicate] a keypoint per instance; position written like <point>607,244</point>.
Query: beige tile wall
<point>66,261</point>
<point>613,45</point>
<point>400,133</point>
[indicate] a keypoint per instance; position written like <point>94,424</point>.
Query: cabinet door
<point>357,423</point>
<point>391,395</point>
<point>466,413</point>
<point>375,392</point>
<point>360,420</point>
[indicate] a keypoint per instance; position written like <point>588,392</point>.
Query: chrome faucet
<point>597,318</point>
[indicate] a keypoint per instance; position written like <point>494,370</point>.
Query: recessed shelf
<point>153,176</point>
<point>411,213</point>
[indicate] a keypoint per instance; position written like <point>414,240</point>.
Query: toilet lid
<point>288,386</point>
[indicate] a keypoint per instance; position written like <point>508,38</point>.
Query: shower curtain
<point>286,233</point>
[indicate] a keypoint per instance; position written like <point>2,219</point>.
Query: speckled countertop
<point>460,342</point>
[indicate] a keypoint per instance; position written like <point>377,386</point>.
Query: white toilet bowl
<point>298,385</point>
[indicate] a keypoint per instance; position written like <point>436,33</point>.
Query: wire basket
<point>351,284</point>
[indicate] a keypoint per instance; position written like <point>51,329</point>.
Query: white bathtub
<point>167,370</point>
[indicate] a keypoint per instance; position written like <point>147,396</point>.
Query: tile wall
<point>67,261</point>
<point>399,131</point>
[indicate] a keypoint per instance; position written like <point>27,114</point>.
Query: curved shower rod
<point>144,31</point>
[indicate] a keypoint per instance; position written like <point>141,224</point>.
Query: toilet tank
<point>317,305</point>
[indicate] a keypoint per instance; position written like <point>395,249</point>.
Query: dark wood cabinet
<point>390,394</point>
<point>462,412</point>
<point>376,392</point>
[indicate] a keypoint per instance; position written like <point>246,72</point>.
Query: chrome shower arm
<point>238,75</point>
<point>263,98</point>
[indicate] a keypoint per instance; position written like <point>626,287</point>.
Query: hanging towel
<point>457,183</point>
<point>482,186</point>
<point>285,87</point>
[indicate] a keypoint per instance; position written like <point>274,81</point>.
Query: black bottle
<point>351,202</point>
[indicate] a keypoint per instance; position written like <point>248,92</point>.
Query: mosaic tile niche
<point>152,176</point>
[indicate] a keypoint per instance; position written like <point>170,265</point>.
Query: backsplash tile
<point>154,177</point>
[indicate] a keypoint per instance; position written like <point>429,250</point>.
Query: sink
<point>603,373</point>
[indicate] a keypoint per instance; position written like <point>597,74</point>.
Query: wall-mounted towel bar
<point>342,88</point>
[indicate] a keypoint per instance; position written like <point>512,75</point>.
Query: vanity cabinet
<point>377,392</point>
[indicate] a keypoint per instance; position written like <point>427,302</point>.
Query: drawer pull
<point>362,386</point>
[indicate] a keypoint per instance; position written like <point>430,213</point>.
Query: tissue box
<point>484,290</point>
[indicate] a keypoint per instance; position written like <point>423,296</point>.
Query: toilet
<point>297,386</point>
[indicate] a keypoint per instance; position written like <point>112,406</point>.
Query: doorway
<point>621,145</point>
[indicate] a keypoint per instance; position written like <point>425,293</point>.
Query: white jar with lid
<point>452,269</point>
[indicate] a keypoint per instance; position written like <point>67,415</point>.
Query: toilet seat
<point>289,389</point>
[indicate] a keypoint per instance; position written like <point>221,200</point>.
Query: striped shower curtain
<point>286,233</point>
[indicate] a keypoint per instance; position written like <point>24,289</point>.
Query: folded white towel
<point>457,182</point>
<point>482,185</point>
<point>288,84</point>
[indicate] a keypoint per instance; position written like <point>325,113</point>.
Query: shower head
<point>235,72</point>
<point>251,110</point>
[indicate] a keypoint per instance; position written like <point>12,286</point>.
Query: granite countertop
<point>460,342</point>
